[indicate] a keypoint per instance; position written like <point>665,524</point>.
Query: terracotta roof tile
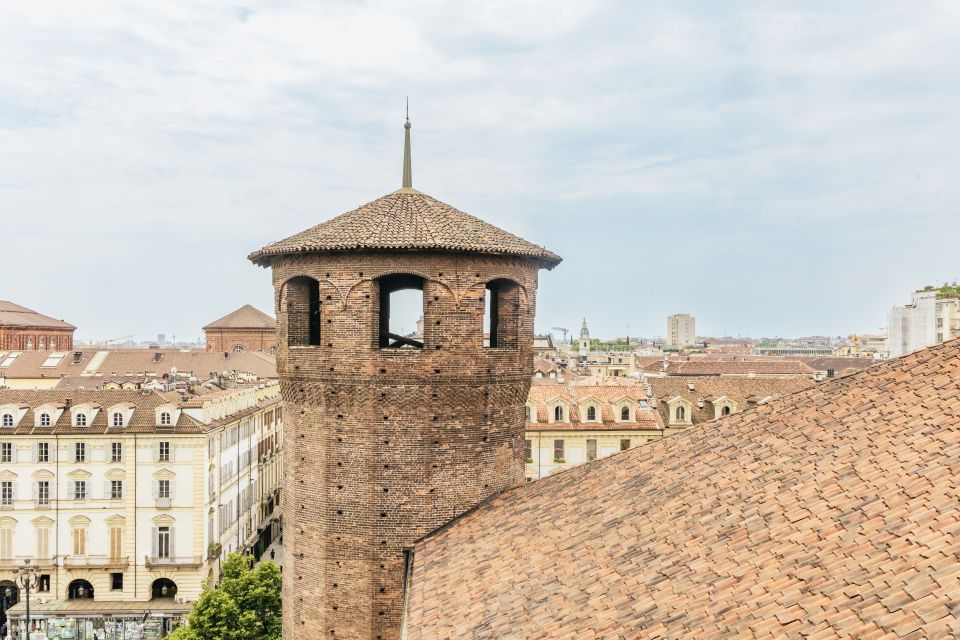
<point>405,220</point>
<point>14,315</point>
<point>830,512</point>
<point>246,317</point>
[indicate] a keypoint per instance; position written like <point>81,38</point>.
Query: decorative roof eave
<point>264,257</point>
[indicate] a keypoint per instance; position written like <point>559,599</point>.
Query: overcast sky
<point>774,168</point>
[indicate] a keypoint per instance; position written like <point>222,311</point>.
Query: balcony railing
<point>7,564</point>
<point>175,561</point>
<point>81,562</point>
<point>164,503</point>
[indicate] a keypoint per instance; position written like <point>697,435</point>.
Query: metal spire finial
<point>407,169</point>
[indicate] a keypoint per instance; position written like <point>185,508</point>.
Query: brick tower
<point>390,436</point>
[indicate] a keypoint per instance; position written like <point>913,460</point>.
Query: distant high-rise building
<point>161,339</point>
<point>932,316</point>
<point>681,330</point>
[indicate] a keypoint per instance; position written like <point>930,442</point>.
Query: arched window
<point>53,344</point>
<point>163,588</point>
<point>681,413</point>
<point>591,413</point>
<point>7,420</point>
<point>401,305</point>
<point>44,419</point>
<point>118,419</point>
<point>725,411</point>
<point>302,295</point>
<point>501,314</point>
<point>625,414</point>
<point>165,418</point>
<point>80,590</point>
<point>81,419</point>
<point>558,413</point>
<point>526,413</point>
<point>41,344</point>
<point>239,348</point>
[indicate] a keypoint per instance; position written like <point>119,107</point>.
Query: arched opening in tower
<point>301,298</point>
<point>501,315</point>
<point>401,309</point>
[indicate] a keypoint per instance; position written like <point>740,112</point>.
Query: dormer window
<point>558,414</point>
<point>7,420</point>
<point>118,419</point>
<point>681,413</point>
<point>44,419</point>
<point>624,414</point>
<point>526,413</point>
<point>239,349</point>
<point>81,420</point>
<point>165,418</point>
<point>725,411</point>
<point>591,413</point>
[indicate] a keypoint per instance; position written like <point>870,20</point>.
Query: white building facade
<point>130,498</point>
<point>927,320</point>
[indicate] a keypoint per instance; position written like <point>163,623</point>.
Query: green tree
<point>244,606</point>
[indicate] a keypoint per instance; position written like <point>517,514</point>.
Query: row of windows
<point>76,490</point>
<point>81,419</point>
<point>559,449</point>
<point>559,413</point>
<point>303,304</point>
<point>42,452</point>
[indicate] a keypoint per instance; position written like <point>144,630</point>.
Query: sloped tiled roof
<point>606,396</point>
<point>738,389</point>
<point>832,512</point>
<point>711,367</point>
<point>135,362</point>
<point>405,220</point>
<point>14,315</point>
<point>246,317</point>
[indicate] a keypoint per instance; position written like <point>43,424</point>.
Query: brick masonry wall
<point>249,339</point>
<point>386,445</point>
<point>17,338</point>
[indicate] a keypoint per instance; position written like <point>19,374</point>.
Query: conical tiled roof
<point>406,220</point>
<point>246,317</point>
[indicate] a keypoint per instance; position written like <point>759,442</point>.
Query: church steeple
<point>407,169</point>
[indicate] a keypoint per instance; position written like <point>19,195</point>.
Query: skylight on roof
<point>54,359</point>
<point>9,359</point>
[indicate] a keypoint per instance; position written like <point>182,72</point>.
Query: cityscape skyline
<point>755,166</point>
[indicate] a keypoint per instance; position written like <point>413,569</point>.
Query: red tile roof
<point>831,512</point>
<point>246,317</point>
<point>405,220</point>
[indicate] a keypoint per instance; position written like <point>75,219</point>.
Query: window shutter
<point>123,488</point>
<point>71,490</point>
<point>36,492</point>
<point>156,489</point>
<point>52,448</point>
<point>36,456</point>
<point>173,452</point>
<point>173,490</point>
<point>173,538</point>
<point>13,489</point>
<point>156,536</point>
<point>107,493</point>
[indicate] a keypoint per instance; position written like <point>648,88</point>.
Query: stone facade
<point>389,444</point>
<point>239,340</point>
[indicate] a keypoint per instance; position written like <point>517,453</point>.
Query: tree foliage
<point>244,606</point>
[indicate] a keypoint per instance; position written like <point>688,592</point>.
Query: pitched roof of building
<point>713,367</point>
<point>605,396</point>
<point>743,391</point>
<point>839,364</point>
<point>143,419</point>
<point>14,315</point>
<point>831,512</point>
<point>246,317</point>
<point>405,220</point>
<point>95,364</point>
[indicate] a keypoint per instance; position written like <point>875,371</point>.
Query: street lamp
<point>27,578</point>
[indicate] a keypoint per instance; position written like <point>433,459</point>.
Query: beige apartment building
<point>681,331</point>
<point>125,501</point>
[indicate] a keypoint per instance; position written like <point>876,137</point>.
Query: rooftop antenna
<point>407,170</point>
